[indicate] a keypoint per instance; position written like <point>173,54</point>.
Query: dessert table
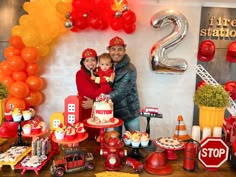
<point>177,165</point>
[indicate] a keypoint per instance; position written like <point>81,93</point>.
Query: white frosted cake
<point>102,111</point>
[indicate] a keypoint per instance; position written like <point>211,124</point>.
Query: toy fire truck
<point>74,160</point>
<point>150,112</point>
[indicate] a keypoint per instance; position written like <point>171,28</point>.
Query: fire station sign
<point>213,153</point>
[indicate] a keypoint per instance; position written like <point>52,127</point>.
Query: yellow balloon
<point>62,8</point>
<point>26,6</point>
<point>30,37</point>
<point>25,20</point>
<point>16,30</point>
<point>43,50</point>
<point>45,37</point>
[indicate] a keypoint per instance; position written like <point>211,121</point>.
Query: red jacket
<point>87,87</point>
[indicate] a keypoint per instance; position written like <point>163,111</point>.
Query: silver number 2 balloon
<point>159,60</point>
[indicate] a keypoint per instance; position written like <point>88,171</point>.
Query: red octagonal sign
<point>213,153</point>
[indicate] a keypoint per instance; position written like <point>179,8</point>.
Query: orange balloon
<point>19,76</point>
<point>34,98</point>
<point>8,81</point>
<point>16,103</point>
<point>32,68</point>
<point>30,54</point>
<point>35,83</point>
<point>16,42</point>
<point>5,68</point>
<point>11,51</point>
<point>19,89</point>
<point>16,63</point>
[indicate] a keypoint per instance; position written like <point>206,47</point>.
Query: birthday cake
<point>102,113</point>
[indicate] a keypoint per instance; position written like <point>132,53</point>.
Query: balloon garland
<point>37,30</point>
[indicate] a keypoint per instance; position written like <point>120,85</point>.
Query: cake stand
<point>35,134</point>
<point>118,122</point>
<point>170,145</point>
<point>149,115</point>
<point>135,153</point>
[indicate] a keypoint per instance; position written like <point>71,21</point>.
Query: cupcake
<point>80,132</point>
<point>144,139</point>
<point>127,137</point>
<point>135,139</point>
<point>27,129</point>
<point>27,115</point>
<point>59,133</point>
<point>36,129</point>
<point>32,112</point>
<point>17,115</point>
<point>70,133</point>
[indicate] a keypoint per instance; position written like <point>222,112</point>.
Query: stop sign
<point>213,153</point>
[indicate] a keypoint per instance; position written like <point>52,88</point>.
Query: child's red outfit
<point>103,76</point>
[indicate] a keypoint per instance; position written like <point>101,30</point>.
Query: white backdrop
<point>172,94</point>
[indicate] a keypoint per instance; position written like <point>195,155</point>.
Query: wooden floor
<point>91,145</point>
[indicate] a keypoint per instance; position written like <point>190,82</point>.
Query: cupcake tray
<point>18,159</point>
<point>19,166</point>
<point>72,142</point>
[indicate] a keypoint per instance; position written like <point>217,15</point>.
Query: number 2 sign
<point>160,63</point>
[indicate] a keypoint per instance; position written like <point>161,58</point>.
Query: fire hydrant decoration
<point>113,152</point>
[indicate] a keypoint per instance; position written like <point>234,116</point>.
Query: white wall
<point>172,94</point>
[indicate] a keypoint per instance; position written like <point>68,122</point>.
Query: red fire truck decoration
<point>150,112</point>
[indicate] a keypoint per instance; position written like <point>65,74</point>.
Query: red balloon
<point>30,54</point>
<point>32,69</point>
<point>116,23</point>
<point>16,42</point>
<point>129,29</point>
<point>16,103</point>
<point>19,89</point>
<point>16,63</point>
<point>80,23</point>
<point>95,21</point>
<point>19,76</point>
<point>34,98</point>
<point>128,17</point>
<point>5,68</point>
<point>35,83</point>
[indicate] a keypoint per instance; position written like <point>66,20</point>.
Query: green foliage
<point>3,91</point>
<point>211,96</point>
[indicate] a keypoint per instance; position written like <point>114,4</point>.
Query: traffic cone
<point>180,130</point>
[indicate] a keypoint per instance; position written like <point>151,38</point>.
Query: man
<point>124,94</point>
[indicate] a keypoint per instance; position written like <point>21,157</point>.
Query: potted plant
<point>212,101</point>
<point>3,95</point>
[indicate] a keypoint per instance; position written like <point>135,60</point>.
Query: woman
<point>87,87</point>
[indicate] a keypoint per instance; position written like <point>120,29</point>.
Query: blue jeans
<point>132,125</point>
